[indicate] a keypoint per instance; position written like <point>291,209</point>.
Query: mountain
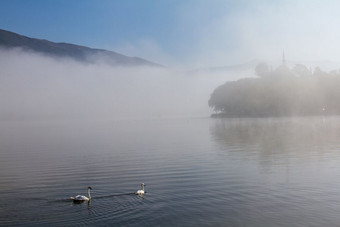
<point>239,67</point>
<point>80,53</point>
<point>324,65</point>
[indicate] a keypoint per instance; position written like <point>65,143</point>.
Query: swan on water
<point>141,191</point>
<point>79,198</point>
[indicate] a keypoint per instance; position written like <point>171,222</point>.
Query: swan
<point>141,191</point>
<point>80,198</point>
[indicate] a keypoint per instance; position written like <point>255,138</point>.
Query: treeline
<point>282,92</point>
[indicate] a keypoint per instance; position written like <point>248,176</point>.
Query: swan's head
<point>89,188</point>
<point>143,184</point>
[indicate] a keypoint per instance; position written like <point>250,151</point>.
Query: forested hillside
<point>280,92</point>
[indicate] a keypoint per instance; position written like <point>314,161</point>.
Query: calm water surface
<point>198,172</point>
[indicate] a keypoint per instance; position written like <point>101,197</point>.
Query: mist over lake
<point>36,86</point>
<point>67,125</point>
<point>197,171</point>
<point>169,113</point>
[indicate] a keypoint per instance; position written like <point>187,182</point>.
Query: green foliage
<point>282,92</point>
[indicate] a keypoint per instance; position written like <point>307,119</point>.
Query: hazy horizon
<point>185,34</point>
<point>240,128</point>
<point>40,87</point>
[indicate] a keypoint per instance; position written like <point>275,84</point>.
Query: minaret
<point>283,58</point>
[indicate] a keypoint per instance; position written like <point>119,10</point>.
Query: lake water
<point>198,172</point>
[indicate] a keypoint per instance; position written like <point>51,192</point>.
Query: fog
<point>216,33</point>
<point>37,86</point>
<point>33,86</point>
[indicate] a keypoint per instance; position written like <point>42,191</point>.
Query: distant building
<point>283,69</point>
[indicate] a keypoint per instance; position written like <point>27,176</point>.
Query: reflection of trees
<point>278,138</point>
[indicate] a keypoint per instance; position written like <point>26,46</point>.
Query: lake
<point>197,171</point>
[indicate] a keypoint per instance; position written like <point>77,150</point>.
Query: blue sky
<point>184,32</point>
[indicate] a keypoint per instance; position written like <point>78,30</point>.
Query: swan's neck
<point>88,193</point>
<point>142,187</point>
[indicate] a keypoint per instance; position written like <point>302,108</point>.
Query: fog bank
<point>35,86</point>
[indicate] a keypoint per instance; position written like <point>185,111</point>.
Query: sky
<point>185,33</point>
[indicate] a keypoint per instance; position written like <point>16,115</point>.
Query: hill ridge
<point>80,53</point>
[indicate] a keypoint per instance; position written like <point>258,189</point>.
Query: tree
<point>301,70</point>
<point>262,69</point>
<point>285,93</point>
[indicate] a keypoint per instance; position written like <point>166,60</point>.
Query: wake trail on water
<point>93,197</point>
<point>113,195</point>
<point>48,200</point>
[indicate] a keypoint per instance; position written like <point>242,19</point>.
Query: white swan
<point>80,198</point>
<point>142,191</point>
